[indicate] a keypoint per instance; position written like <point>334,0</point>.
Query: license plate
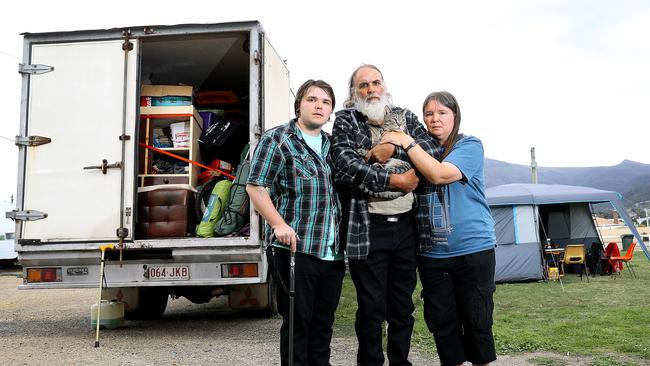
<point>171,273</point>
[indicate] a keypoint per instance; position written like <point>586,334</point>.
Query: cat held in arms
<point>395,120</point>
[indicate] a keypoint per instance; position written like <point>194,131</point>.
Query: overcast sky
<point>571,78</point>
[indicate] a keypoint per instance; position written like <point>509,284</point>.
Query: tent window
<point>525,219</point>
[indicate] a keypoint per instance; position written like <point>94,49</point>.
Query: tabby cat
<point>395,120</point>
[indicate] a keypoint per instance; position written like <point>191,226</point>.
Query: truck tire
<point>152,302</point>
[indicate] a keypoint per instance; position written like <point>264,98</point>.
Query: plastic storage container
<point>111,314</point>
<point>626,240</point>
<point>180,134</point>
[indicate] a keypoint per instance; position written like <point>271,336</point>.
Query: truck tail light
<point>44,275</point>
<point>239,270</point>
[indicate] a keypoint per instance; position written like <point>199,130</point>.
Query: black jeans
<point>318,289</point>
<point>458,306</point>
<point>385,282</point>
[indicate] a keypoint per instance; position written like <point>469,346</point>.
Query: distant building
<point>603,222</point>
<point>7,228</point>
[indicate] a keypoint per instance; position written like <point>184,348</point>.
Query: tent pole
<point>600,235</point>
<point>541,223</point>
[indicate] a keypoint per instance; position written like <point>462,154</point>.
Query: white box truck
<point>82,164</point>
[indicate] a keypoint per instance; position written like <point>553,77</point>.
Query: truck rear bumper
<point>190,266</point>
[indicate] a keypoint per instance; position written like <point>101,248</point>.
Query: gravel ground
<point>52,327</point>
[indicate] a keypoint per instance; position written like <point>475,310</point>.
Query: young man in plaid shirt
<point>302,214</point>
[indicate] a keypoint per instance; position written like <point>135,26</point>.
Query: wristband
<point>413,143</point>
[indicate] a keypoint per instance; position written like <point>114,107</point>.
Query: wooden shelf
<point>164,175</point>
<point>172,149</point>
<point>162,117</point>
<point>160,111</point>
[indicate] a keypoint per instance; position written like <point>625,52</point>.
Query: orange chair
<point>575,254</point>
<point>626,259</point>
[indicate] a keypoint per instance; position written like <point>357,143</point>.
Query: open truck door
<point>76,139</point>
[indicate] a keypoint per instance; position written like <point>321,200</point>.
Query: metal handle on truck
<point>105,166</point>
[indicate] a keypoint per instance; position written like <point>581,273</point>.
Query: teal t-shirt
<point>316,144</point>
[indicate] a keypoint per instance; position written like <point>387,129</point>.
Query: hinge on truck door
<point>27,215</point>
<point>122,232</point>
<point>127,45</point>
<point>34,69</point>
<point>32,140</point>
<point>258,130</point>
<point>257,58</point>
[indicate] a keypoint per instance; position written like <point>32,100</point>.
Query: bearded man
<point>380,233</point>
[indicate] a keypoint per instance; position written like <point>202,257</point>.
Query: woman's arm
<point>433,170</point>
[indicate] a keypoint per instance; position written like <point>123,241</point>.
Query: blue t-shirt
<point>472,225</point>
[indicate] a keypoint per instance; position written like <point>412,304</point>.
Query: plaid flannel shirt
<point>427,210</point>
<point>352,173</point>
<point>301,186</point>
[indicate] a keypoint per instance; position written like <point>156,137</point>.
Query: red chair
<point>626,259</point>
<point>610,266</point>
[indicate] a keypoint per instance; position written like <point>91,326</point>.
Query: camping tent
<point>526,215</point>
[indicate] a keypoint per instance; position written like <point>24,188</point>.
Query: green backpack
<point>236,214</point>
<point>213,212</point>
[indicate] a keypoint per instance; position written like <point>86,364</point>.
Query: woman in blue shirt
<point>456,233</point>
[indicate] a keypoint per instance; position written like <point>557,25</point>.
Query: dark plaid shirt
<point>301,186</point>
<point>352,173</point>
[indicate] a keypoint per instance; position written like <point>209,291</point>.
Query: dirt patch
<point>39,327</point>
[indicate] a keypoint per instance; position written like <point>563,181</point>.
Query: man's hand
<point>405,182</point>
<point>380,153</point>
<point>285,235</point>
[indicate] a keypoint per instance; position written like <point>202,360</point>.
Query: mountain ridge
<point>629,178</point>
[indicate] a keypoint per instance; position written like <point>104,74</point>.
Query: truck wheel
<point>152,303</point>
<point>202,194</point>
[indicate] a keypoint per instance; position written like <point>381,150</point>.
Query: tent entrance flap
<point>570,223</point>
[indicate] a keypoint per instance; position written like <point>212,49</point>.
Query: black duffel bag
<point>223,140</point>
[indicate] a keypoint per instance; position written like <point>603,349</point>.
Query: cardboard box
<point>167,101</point>
<point>165,90</point>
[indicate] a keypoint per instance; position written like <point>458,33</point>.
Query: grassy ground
<point>607,317</point>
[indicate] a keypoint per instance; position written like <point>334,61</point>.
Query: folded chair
<point>595,258</point>
<point>575,254</point>
<point>610,266</point>
<point>626,259</point>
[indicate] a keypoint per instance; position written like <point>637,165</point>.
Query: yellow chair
<point>575,254</point>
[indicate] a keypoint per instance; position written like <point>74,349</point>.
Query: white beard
<point>375,111</point>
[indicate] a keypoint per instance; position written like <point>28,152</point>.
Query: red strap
<point>231,177</point>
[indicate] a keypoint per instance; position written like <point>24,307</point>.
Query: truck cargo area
<point>216,70</point>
